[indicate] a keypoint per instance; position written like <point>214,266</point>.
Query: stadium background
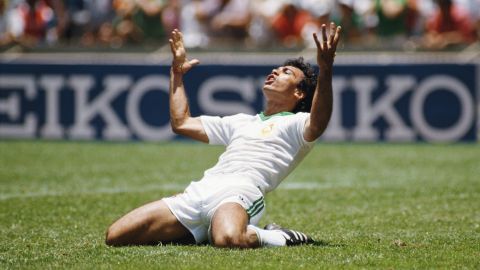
<point>395,98</point>
<point>77,75</point>
<point>99,69</point>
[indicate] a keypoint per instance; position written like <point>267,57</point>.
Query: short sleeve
<point>218,129</point>
<point>300,122</point>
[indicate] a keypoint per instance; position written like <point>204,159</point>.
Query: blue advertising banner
<point>401,102</point>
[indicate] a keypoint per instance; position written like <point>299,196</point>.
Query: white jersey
<point>262,149</point>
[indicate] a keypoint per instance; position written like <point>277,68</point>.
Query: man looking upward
<point>225,206</point>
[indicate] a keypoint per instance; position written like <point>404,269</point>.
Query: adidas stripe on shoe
<point>293,238</point>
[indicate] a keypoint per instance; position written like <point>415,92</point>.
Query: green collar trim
<point>266,117</point>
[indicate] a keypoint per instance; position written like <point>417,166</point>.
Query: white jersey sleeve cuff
<point>214,129</point>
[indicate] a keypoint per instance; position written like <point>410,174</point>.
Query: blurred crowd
<point>227,24</point>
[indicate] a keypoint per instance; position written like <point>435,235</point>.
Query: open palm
<point>326,49</point>
<point>180,62</point>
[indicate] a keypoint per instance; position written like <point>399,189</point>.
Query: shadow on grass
<point>321,243</point>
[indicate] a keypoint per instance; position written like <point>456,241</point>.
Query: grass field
<point>378,206</point>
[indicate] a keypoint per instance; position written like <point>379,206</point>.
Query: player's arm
<point>322,100</point>
<point>181,120</point>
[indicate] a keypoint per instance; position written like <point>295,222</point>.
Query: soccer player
<point>225,206</point>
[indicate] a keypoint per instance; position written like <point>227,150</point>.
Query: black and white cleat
<point>293,238</point>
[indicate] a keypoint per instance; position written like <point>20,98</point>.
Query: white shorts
<point>196,206</point>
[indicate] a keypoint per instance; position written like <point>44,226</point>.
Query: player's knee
<point>113,237</point>
<point>229,240</point>
<point>224,241</point>
<point>110,238</point>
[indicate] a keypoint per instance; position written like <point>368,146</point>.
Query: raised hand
<point>326,49</point>
<point>180,64</point>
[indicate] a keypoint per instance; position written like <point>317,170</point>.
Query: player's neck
<point>271,109</point>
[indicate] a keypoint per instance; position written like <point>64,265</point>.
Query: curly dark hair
<point>307,85</point>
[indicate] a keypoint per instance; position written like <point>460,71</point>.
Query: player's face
<point>283,82</point>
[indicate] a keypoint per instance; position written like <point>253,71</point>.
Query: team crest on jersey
<point>267,131</point>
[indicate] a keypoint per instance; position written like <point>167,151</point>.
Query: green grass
<point>372,206</point>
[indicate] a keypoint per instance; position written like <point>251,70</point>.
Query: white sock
<point>268,238</point>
